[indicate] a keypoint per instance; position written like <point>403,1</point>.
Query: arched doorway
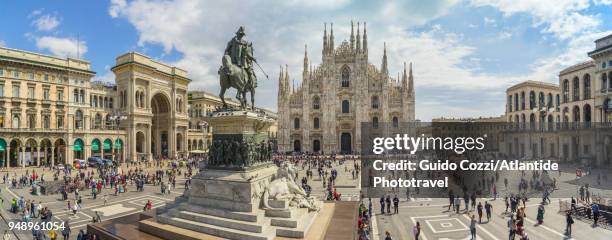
<point>179,140</point>
<point>345,143</point>
<point>60,151</point>
<point>46,149</point>
<point>161,109</point>
<point>297,146</point>
<point>118,151</point>
<point>3,153</point>
<point>31,152</point>
<point>78,148</point>
<point>107,149</point>
<point>316,145</point>
<point>587,114</point>
<point>15,154</point>
<point>95,148</point>
<point>140,143</point>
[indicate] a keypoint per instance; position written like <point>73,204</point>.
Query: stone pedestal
<point>225,198</point>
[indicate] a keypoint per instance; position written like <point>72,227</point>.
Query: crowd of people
<point>107,181</point>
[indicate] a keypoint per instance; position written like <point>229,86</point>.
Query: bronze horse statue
<point>233,76</point>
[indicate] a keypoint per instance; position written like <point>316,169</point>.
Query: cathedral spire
<point>286,80</point>
<point>281,81</point>
<point>352,36</point>
<point>410,80</point>
<point>365,38</point>
<point>331,39</point>
<point>404,78</point>
<point>305,60</point>
<point>358,39</point>
<point>383,67</point>
<point>325,47</point>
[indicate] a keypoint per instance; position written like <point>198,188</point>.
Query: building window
<point>316,102</point>
<point>2,121</point>
<point>510,103</point>
<point>76,95</point>
<point>549,102</point>
<point>587,86</point>
<point>46,94</point>
<point>78,119</point>
<point>16,121</point>
<point>558,102</point>
<point>110,103</point>
<point>395,122</point>
<point>345,106</point>
<point>532,100</point>
<point>1,90</point>
<point>516,102</point>
<point>576,89</point>
<point>1,71</point>
<point>16,74</point>
<point>82,96</point>
<point>46,77</point>
<point>60,122</point>
<point>375,102</point>
<point>541,100</point>
<point>46,122</point>
<point>315,122</point>
<point>565,91</point>
<point>32,121</point>
<point>375,122</point>
<point>604,81</point>
<point>60,95</point>
<point>16,91</point>
<point>31,92</point>
<point>522,100</point>
<point>31,75</point>
<point>345,77</point>
<point>296,123</point>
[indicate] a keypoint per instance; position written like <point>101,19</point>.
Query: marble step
<point>292,222</point>
<point>300,230</point>
<point>252,216</point>
<point>223,232</point>
<point>278,203</point>
<point>256,227</point>
<point>284,213</point>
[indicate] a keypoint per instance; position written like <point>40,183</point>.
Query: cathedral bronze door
<point>316,146</point>
<point>345,143</point>
<point>297,147</point>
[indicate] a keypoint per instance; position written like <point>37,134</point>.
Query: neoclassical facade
<point>324,112</point>
<point>51,113</point>
<point>575,115</point>
<point>152,97</point>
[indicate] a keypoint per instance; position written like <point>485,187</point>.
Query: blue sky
<point>465,53</point>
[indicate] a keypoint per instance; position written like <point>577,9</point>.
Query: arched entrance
<point>107,149</point>
<point>31,152</point>
<point>46,148</point>
<point>95,148</point>
<point>78,148</point>
<point>161,109</point>
<point>60,151</point>
<point>179,140</point>
<point>140,143</point>
<point>297,146</point>
<point>316,145</point>
<point>345,143</point>
<point>3,153</point>
<point>14,153</point>
<point>118,150</point>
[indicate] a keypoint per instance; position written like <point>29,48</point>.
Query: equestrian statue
<point>237,70</point>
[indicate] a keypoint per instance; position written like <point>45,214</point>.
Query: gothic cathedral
<point>324,113</point>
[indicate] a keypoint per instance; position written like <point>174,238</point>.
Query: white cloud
<point>61,47</point>
<point>46,22</point>
<point>35,13</point>
<point>489,21</point>
<point>563,18</point>
<point>504,35</point>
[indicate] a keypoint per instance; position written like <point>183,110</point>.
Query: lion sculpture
<point>284,187</point>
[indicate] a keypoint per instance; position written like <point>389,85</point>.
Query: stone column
<point>38,157</point>
<point>22,157</point>
<point>52,156</point>
<point>8,157</point>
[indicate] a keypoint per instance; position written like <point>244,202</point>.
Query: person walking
<point>382,205</point>
<point>396,205</point>
<point>540,216</point>
<point>388,203</point>
<point>488,208</point>
<point>595,211</point>
<point>416,231</point>
<point>66,231</point>
<point>473,227</point>
<point>568,223</point>
<point>479,212</point>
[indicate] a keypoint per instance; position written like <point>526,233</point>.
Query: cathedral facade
<point>325,111</point>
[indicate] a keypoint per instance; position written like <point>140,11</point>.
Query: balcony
<point>46,102</point>
<point>32,130</point>
<point>17,100</point>
<point>60,103</point>
<point>31,101</point>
